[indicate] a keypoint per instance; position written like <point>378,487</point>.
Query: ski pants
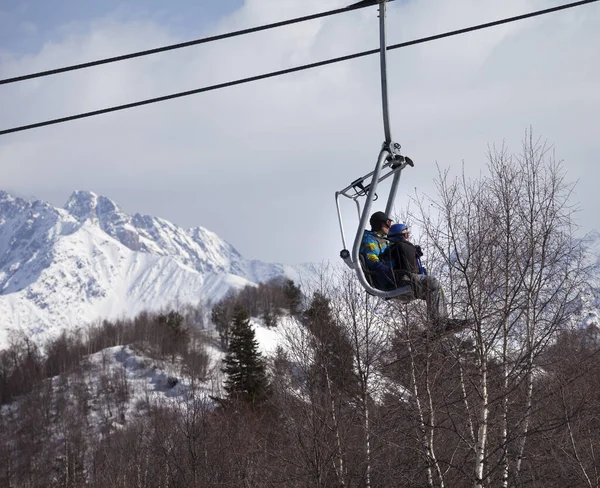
<point>429,289</point>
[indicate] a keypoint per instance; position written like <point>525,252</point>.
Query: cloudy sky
<point>259,163</point>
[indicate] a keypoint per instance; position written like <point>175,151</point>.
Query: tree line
<point>267,301</point>
<point>24,364</point>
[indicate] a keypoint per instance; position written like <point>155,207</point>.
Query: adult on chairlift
<point>373,245</point>
<point>404,258</point>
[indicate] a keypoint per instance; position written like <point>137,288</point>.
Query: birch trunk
<point>421,415</point>
<point>339,467</point>
<point>482,428</point>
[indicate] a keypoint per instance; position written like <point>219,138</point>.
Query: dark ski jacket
<point>403,255</point>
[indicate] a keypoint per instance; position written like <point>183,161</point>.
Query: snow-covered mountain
<point>89,260</point>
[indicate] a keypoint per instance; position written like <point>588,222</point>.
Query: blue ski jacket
<point>372,246</point>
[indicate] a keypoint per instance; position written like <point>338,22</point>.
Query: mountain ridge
<point>64,267</point>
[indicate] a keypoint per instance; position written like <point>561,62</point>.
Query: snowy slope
<point>68,267</point>
<point>148,380</point>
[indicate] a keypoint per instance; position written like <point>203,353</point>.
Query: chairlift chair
<point>390,162</point>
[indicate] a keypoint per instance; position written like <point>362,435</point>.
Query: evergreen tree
<point>243,364</point>
<point>269,317</point>
<point>176,334</point>
<point>293,296</point>
<point>221,316</point>
<point>333,350</point>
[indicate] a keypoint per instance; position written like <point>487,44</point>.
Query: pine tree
<point>243,364</point>
<point>176,334</point>
<point>333,350</point>
<point>219,317</point>
<point>293,296</point>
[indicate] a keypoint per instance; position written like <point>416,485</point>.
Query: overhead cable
<point>294,69</point>
<point>196,42</point>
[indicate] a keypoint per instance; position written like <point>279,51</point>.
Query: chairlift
<point>390,162</point>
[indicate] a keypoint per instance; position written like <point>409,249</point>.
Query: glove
<point>419,252</point>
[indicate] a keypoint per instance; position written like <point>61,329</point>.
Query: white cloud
<point>259,163</point>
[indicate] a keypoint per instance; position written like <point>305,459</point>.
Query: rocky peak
<point>86,204</point>
<point>82,204</point>
<point>9,205</point>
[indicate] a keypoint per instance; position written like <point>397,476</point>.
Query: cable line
<point>355,6</point>
<point>294,69</point>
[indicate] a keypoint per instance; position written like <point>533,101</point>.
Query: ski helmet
<point>397,229</point>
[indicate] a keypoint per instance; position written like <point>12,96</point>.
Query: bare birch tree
<point>364,321</point>
<point>506,244</point>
